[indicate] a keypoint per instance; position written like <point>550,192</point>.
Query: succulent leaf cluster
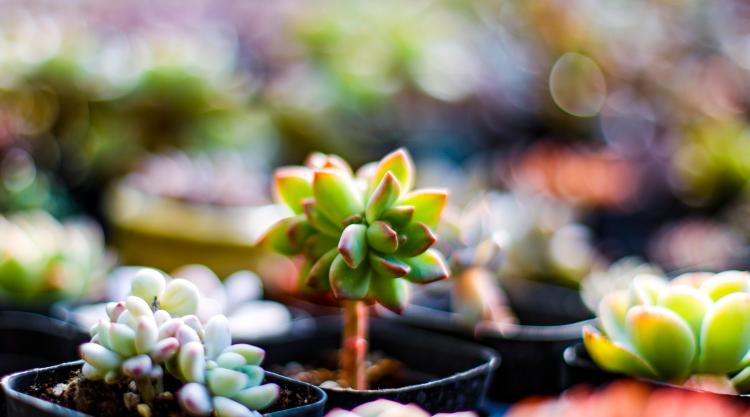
<point>155,330</point>
<point>363,235</point>
<point>699,323</point>
<point>43,258</point>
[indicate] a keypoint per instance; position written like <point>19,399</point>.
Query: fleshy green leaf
<point>260,397</point>
<point>645,288</point>
<point>725,334</point>
<point>225,407</point>
<point>427,267</point>
<point>741,381</point>
<point>428,205</point>
<point>691,279</point>
<point>398,216</point>
<point>392,293</point>
<point>286,235</point>
<point>689,303</point>
<point>416,238</point>
<point>388,266</point>
<point>385,194</point>
<point>225,382</point>
<point>336,195</point>
<point>348,283</point>
<point>253,355</point>
<point>725,283</point>
<point>318,220</point>
<point>292,185</point>
<point>611,314</point>
<point>614,357</point>
<point>320,271</point>
<point>320,160</point>
<point>381,237</point>
<point>353,244</point>
<point>399,164</point>
<point>663,339</point>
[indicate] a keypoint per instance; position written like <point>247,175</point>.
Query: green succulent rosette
<point>363,236</point>
<point>698,324</point>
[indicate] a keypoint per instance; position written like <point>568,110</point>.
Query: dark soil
<point>382,372</point>
<point>112,400</point>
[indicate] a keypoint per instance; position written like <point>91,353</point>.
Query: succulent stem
<point>354,344</point>
<point>145,388</point>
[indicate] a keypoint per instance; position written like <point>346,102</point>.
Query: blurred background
<point>605,129</point>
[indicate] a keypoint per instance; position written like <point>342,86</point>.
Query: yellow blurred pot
<point>167,233</point>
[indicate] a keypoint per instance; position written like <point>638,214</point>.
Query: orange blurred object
<point>629,398</point>
<point>584,177</point>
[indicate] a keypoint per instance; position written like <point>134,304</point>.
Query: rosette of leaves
<point>364,235</point>
<point>692,330</point>
<point>155,331</point>
<point>43,259</point>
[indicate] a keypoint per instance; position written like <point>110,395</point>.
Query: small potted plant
<point>693,332</point>
<point>153,357</point>
<point>238,297</point>
<point>363,239</point>
<point>473,305</point>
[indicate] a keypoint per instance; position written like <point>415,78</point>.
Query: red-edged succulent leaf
<point>320,160</point>
<point>336,195</point>
<point>615,357</point>
<point>399,164</point>
<point>389,266</point>
<point>426,268</point>
<point>398,216</point>
<point>298,231</point>
<point>381,237</point>
<point>292,185</point>
<point>353,244</point>
<point>319,275</point>
<point>416,238</point>
<point>385,194</point>
<point>392,293</point>
<point>428,205</point>
<point>287,236</point>
<point>349,283</point>
<point>318,220</point>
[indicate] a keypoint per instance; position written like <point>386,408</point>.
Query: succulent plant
<point>364,236</point>
<point>44,259</point>
<point>476,255</point>
<point>680,331</point>
<point>383,408</point>
<point>155,331</point>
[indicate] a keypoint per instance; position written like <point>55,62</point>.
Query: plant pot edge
<point>10,394</point>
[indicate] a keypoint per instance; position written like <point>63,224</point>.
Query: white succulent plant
<point>155,330</point>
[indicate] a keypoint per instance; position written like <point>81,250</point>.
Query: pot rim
<point>50,407</point>
<point>492,361</point>
<point>448,321</point>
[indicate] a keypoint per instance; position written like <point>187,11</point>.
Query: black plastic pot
<point>21,404</point>
<point>532,355</point>
<point>447,374</point>
<point>29,340</point>
<point>544,304</point>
